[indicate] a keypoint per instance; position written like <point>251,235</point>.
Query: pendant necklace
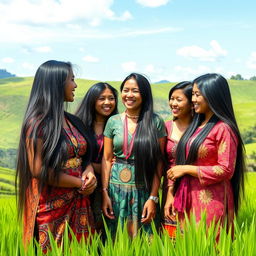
<point>126,173</point>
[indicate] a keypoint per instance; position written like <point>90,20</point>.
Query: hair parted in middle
<point>146,149</point>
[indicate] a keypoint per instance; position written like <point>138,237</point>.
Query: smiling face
<point>180,104</point>
<point>106,103</point>
<point>131,96</point>
<point>70,85</point>
<point>200,103</point>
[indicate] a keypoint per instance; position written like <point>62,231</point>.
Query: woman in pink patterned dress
<point>182,110</point>
<point>209,157</point>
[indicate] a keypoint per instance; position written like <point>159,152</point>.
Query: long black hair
<point>87,113</point>
<point>186,87</point>
<point>43,119</point>
<point>214,88</point>
<point>146,149</point>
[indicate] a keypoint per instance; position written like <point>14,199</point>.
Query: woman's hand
<point>107,206</point>
<point>169,212</point>
<point>176,172</point>
<point>89,181</point>
<point>149,211</point>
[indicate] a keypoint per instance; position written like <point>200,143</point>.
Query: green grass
<point>250,148</point>
<point>194,241</point>
<point>14,93</point>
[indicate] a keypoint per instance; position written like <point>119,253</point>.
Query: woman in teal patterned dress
<point>136,139</point>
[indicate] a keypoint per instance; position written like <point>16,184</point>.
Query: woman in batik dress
<point>99,103</point>
<point>54,175</point>
<point>209,157</point>
<point>136,139</point>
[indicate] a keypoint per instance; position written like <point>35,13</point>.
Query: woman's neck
<point>132,113</point>
<point>99,119</point>
<point>183,123</point>
<point>208,116</point>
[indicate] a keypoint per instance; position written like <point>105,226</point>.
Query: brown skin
<point>65,180</point>
<point>132,100</point>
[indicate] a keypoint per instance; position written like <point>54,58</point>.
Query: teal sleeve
<point>108,131</point>
<point>160,126</point>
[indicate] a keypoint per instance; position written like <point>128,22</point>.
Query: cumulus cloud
<point>129,66</point>
<point>43,49</point>
<point>51,11</point>
<point>7,60</point>
<point>251,63</point>
<point>196,52</point>
<point>89,58</point>
<point>152,3</point>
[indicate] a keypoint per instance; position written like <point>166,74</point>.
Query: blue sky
<point>108,39</point>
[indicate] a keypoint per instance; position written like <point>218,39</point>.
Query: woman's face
<point>131,96</point>
<point>179,104</point>
<point>200,104</point>
<point>106,103</point>
<point>69,90</point>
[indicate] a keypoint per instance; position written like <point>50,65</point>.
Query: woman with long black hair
<point>136,138</point>
<point>54,175</point>
<point>210,155</point>
<point>99,103</point>
<point>180,102</point>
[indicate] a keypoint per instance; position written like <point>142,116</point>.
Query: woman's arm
<point>35,165</point>
<point>149,209</point>
<point>105,174</point>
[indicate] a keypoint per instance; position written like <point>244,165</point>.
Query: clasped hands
<point>89,181</point>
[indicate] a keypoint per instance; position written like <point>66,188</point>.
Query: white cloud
<point>7,60</point>
<point>196,52</point>
<point>251,63</point>
<point>43,49</point>
<point>28,66</point>
<point>129,66</point>
<point>89,58</point>
<point>62,11</point>
<point>152,3</point>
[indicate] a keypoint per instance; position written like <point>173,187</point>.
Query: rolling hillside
<point>14,93</point>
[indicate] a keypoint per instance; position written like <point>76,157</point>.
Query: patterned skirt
<point>59,207</point>
<point>127,200</point>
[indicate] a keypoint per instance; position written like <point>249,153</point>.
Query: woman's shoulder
<point>116,117</point>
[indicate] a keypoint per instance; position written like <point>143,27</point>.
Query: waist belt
<point>125,161</point>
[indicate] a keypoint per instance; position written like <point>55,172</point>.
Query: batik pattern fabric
<point>58,207</point>
<point>127,199</point>
<point>212,191</point>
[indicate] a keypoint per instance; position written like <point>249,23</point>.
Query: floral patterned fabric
<point>58,206</point>
<point>127,199</point>
<point>211,191</point>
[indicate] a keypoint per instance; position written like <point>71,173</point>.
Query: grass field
<point>14,93</point>
<point>194,240</point>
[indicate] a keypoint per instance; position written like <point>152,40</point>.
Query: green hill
<point>7,177</point>
<point>14,93</point>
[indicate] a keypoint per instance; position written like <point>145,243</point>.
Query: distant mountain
<point>5,74</point>
<point>162,82</point>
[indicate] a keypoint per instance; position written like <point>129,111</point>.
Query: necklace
<point>131,117</point>
<point>72,138</point>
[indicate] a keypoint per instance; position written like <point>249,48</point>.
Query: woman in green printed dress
<point>136,139</point>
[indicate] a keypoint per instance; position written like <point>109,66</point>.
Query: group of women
<point>73,168</point>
